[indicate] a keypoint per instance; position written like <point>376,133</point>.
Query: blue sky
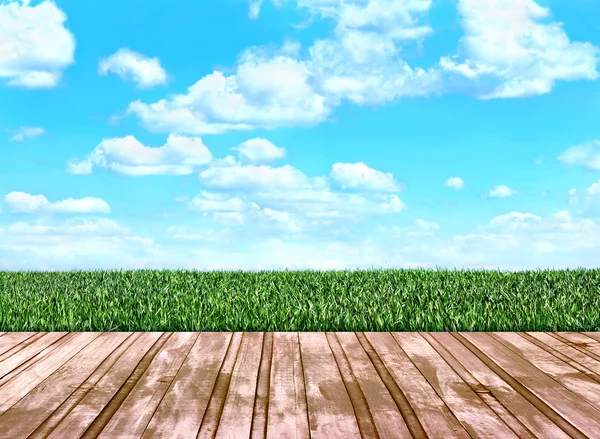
<point>292,134</point>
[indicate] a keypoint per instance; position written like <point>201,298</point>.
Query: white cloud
<point>57,246</point>
<point>180,155</point>
<point>360,176</point>
<point>455,183</point>
<point>282,218</point>
<point>276,88</point>
<point>586,155</point>
<point>144,71</point>
<point>501,191</point>
<point>25,203</point>
<point>209,202</point>
<point>264,93</point>
<point>259,151</point>
<point>35,47</point>
<point>23,132</point>
<point>252,178</point>
<point>427,226</point>
<point>254,9</point>
<point>510,51</point>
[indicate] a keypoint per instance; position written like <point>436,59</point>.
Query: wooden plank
<point>11,339</point>
<point>32,349</point>
<point>27,414</point>
<point>482,391</point>
<point>437,419</point>
<point>577,358</point>
<point>475,416</point>
<point>20,385</point>
<point>576,411</point>
<point>571,378</point>
<point>77,421</point>
<point>330,411</point>
<point>527,413</point>
<point>50,423</point>
<point>387,418</point>
<point>134,414</point>
<point>584,342</point>
<point>288,413</point>
<point>179,414</point>
<point>212,415</point>
<point>261,402</point>
<point>366,425</point>
<point>236,417</point>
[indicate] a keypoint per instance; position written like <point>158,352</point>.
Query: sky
<point>293,134</point>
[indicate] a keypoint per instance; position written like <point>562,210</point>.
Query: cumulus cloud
<point>180,155</point>
<point>146,72</point>
<point>510,50</point>
<point>35,46</point>
<point>210,202</point>
<point>21,202</point>
<point>586,155</point>
<point>501,191</point>
<point>51,245</point>
<point>360,176</point>
<point>24,132</point>
<point>276,88</point>
<point>455,183</point>
<point>259,151</point>
<point>266,92</point>
<point>253,177</point>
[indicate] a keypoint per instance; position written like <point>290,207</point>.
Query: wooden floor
<point>299,385</point>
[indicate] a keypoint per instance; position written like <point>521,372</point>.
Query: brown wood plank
<point>330,411</point>
<point>288,412</point>
<point>387,418</point>
<point>11,339</point>
<point>134,414</point>
<point>261,402</point>
<point>236,417</point>
<point>524,410</point>
<point>437,419</point>
<point>50,423</point>
<point>19,385</point>
<point>27,414</point>
<point>584,342</point>
<point>30,350</point>
<point>76,422</point>
<point>571,355</point>
<point>180,412</point>
<point>571,378</point>
<point>363,416</point>
<point>476,417</point>
<point>569,406</point>
<point>212,416</point>
<point>482,391</point>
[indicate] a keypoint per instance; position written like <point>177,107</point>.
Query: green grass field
<point>371,300</point>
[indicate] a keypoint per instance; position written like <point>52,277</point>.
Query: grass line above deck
<point>360,300</point>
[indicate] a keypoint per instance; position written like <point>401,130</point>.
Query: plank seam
<point>38,432</point>
<point>486,396</point>
<point>222,387</point>
<point>449,410</point>
<point>349,383</point>
<point>304,384</point>
<point>106,414</point>
<point>555,417</point>
<point>408,414</point>
<point>263,382</point>
<point>581,349</point>
<point>171,383</point>
<point>557,354</point>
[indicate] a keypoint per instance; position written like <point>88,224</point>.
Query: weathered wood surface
<point>300,385</point>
